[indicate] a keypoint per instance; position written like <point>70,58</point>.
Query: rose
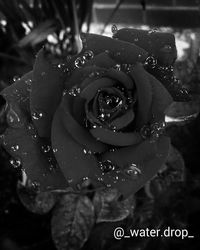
<point>98,115</point>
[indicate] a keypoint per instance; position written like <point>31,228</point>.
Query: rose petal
<point>19,92</point>
<point>22,146</point>
<point>148,157</point>
<point>78,132</point>
<point>78,110</point>
<point>102,60</point>
<point>152,41</point>
<point>115,138</point>
<point>144,93</point>
<point>122,52</point>
<point>46,92</point>
<point>72,159</point>
<point>92,66</point>
<point>121,77</point>
<point>123,121</point>
<point>89,92</point>
<point>161,99</point>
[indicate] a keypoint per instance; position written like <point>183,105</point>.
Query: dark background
<point>177,203</point>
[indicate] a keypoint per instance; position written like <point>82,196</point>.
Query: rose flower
<point>97,117</point>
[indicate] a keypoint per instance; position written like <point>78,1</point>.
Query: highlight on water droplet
<point>79,62</point>
<point>74,91</point>
<point>16,78</point>
<point>15,162</point>
<point>46,148</point>
<point>13,118</point>
<point>151,61</point>
<point>14,148</point>
<point>36,115</point>
<point>114,29</point>
<point>132,171</point>
<point>88,55</point>
<point>107,166</point>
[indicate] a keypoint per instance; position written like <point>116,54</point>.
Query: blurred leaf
<point>72,221</point>
<point>172,172</point>
<point>182,112</point>
<point>110,208</point>
<point>38,35</point>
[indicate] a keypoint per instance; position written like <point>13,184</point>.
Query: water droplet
<point>84,183</point>
<point>55,150</point>
<point>107,166</point>
<point>145,131</point>
<point>133,171</point>
<point>34,136</point>
<point>37,115</point>
<point>16,78</point>
<point>28,83</point>
<point>15,162</point>
<point>79,62</point>
<point>86,151</point>
<point>136,39</point>
<point>15,148</point>
<point>167,47</point>
<point>117,67</point>
<point>35,185</point>
<point>74,91</point>
<point>13,119</point>
<point>151,61</point>
<point>114,29</point>
<point>67,71</point>
<point>152,31</point>
<point>46,148</point>
<point>88,55</point>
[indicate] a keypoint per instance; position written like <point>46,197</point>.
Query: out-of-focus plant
<point>26,25</point>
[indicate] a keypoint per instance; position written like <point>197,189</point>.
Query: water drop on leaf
<point>114,29</point>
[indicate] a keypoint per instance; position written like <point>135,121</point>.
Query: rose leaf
<point>39,203</point>
<point>72,221</point>
<point>109,207</point>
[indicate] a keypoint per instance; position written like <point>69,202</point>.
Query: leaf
<point>72,221</point>
<point>172,172</point>
<point>38,34</point>
<point>39,203</point>
<point>110,208</point>
<point>182,112</point>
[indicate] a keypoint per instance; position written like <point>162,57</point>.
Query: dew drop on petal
<point>14,148</point>
<point>74,91</point>
<point>46,148</point>
<point>55,150</point>
<point>152,31</point>
<point>107,166</point>
<point>36,115</point>
<point>114,29</point>
<point>132,170</point>
<point>145,131</point>
<point>84,183</point>
<point>13,119</point>
<point>86,151</point>
<point>88,55</point>
<point>79,62</point>
<point>151,61</point>
<point>117,67</point>
<point>16,78</point>
<point>35,185</point>
<point>15,162</point>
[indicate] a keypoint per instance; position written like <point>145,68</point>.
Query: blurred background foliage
<point>172,198</point>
